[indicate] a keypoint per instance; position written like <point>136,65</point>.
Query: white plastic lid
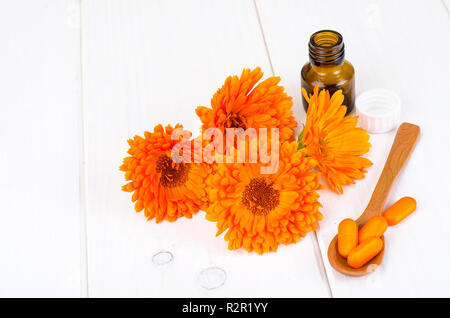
<point>378,110</point>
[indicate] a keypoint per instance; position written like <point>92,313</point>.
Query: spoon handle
<point>402,147</point>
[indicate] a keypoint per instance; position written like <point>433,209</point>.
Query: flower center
<point>235,120</point>
<point>260,197</point>
<point>172,174</point>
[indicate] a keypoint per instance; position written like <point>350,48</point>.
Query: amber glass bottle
<point>327,67</point>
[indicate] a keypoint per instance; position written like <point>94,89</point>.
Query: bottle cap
<point>378,110</point>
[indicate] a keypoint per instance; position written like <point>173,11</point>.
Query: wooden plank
<point>39,133</point>
<point>396,45</point>
<point>150,62</point>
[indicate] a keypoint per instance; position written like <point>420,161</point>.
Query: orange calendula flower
<point>164,189</point>
<point>333,139</point>
<point>238,104</point>
<point>260,211</point>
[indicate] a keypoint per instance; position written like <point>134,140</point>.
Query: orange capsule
<point>364,252</point>
<point>375,227</point>
<point>400,210</point>
<point>347,236</point>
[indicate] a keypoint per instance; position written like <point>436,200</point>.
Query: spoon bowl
<point>402,147</point>
<point>339,263</point>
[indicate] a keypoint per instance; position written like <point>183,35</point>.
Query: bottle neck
<point>326,48</point>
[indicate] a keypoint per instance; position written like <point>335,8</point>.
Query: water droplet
<point>162,258</point>
<point>212,277</point>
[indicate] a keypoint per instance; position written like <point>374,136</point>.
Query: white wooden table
<point>77,78</point>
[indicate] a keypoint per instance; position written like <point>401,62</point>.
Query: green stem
<point>300,140</point>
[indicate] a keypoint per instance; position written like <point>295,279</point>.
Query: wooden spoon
<point>402,147</point>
